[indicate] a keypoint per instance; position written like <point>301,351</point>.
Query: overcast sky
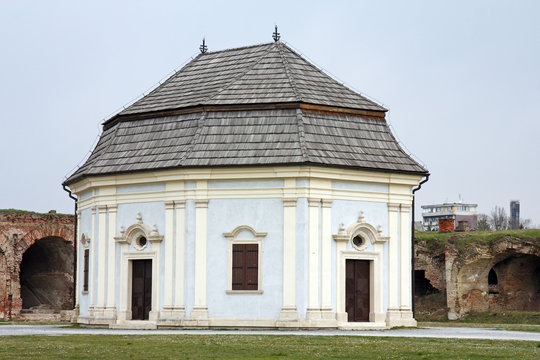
<point>461,80</point>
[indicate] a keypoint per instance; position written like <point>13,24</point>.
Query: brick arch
<point>41,231</point>
<point>473,292</point>
<point>18,232</point>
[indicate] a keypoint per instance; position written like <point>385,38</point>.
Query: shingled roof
<point>249,107</point>
<point>260,74</point>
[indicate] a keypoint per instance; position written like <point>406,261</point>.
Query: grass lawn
<point>509,327</point>
<point>258,347</point>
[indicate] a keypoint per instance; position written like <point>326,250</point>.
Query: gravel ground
<point>432,332</point>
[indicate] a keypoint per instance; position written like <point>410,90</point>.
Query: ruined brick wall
<point>514,263</point>
<point>431,262</point>
<point>18,232</point>
<point>461,269</point>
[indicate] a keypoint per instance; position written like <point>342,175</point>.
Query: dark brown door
<point>357,290</point>
<point>141,289</point>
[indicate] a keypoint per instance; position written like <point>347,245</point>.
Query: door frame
<point>127,279</point>
<point>375,284</point>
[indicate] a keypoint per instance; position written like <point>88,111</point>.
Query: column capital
<point>289,202</point>
<point>112,208</point>
<point>327,203</point>
<point>314,202</point>
<point>169,205</point>
<point>102,208</point>
<point>405,208</point>
<point>393,207</point>
<point>201,203</point>
<point>180,204</point>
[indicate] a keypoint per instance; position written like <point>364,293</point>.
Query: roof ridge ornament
<point>275,35</point>
<point>203,48</point>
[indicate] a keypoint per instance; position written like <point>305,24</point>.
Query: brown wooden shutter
<point>85,270</point>
<point>252,266</point>
<point>238,267</point>
<point>245,267</point>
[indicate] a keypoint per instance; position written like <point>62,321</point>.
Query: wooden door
<point>357,290</point>
<point>141,289</point>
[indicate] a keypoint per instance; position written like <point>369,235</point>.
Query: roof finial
<point>275,35</point>
<point>203,47</point>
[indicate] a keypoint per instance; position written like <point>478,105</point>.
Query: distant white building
<point>455,211</point>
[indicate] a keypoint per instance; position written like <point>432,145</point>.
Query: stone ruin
<point>497,275</point>
<point>36,265</point>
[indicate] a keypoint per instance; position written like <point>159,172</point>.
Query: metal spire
<point>275,35</point>
<point>203,48</point>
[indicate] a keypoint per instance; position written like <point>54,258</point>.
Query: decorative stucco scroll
<point>358,231</point>
<point>138,230</point>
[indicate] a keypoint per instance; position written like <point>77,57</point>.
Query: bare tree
<point>526,224</point>
<point>483,223</point>
<point>499,219</point>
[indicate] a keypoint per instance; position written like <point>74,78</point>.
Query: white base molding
<point>135,325</point>
<point>393,317</point>
<point>171,316</point>
<point>313,314</point>
<point>110,313</point>
<point>288,314</point>
<point>397,317</point>
<point>342,317</point>
<point>123,315</point>
<point>362,326</point>
<point>328,314</point>
<point>327,320</point>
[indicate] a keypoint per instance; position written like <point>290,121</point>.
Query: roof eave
<point>74,179</point>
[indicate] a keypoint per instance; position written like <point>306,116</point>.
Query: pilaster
<point>405,263</point>
<point>200,309</point>
<point>169,258</point>
<point>288,310</point>
<point>326,260</point>
<point>341,239</point>
<point>124,312</point>
<point>405,237</point>
<point>313,309</point>
<point>110,310</point>
<point>92,266</point>
<point>393,313</point>
<point>102,261</point>
<point>179,270</point>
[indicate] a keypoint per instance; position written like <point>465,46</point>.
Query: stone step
<point>62,315</point>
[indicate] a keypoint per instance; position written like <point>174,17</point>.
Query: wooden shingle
<point>172,128</point>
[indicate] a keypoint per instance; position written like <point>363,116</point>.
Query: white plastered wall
<point>318,200</point>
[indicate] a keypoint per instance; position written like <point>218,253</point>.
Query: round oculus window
<point>141,242</point>
<point>358,241</point>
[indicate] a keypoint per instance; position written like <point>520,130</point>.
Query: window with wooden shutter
<point>245,267</point>
<point>85,269</point>
<point>245,248</point>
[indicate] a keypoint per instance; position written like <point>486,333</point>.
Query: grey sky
<point>461,80</point>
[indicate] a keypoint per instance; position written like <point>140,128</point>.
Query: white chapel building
<point>249,189</point>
